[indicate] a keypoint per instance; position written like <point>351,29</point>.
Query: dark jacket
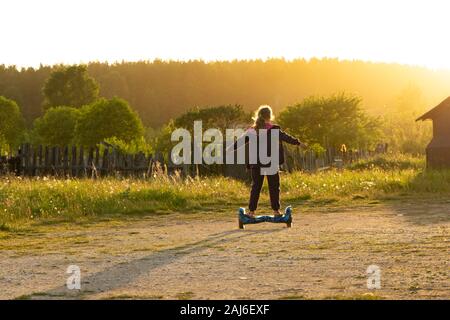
<point>283,137</point>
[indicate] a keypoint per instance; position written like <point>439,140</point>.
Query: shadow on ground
<point>424,213</point>
<point>122,274</point>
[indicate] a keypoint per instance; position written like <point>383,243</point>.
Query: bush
<point>331,121</point>
<point>107,119</point>
<point>57,126</point>
<point>132,147</point>
<point>220,117</point>
<point>11,123</point>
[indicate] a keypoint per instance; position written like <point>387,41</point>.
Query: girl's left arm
<point>291,140</point>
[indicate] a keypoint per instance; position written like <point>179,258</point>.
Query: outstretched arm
<point>291,140</point>
<point>241,141</point>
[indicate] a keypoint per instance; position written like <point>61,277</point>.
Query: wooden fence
<point>73,161</point>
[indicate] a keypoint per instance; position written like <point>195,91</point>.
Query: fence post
<point>97,161</point>
<point>90,162</point>
<point>130,159</point>
<point>65,163</point>
<point>58,159</point>
<point>105,164</point>
<point>73,162</point>
<point>122,162</point>
<point>33,161</point>
<point>26,157</point>
<point>150,166</point>
<point>39,162</point>
<point>138,164</point>
<point>82,165</point>
<point>114,162</point>
<point>46,160</point>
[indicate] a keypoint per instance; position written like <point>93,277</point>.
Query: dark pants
<point>274,189</point>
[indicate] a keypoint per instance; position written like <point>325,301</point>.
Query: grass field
<point>24,201</point>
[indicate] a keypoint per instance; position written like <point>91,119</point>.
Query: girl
<point>263,120</point>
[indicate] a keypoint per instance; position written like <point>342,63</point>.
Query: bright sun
<point>69,31</point>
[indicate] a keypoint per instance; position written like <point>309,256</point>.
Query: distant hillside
<point>161,90</point>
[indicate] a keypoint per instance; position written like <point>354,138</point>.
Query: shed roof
<point>436,110</point>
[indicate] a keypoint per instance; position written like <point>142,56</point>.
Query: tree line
<point>75,114</point>
<point>77,109</point>
<point>162,90</point>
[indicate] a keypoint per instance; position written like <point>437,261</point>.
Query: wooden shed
<point>438,150</point>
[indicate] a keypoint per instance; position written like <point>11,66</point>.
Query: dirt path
<point>325,255</point>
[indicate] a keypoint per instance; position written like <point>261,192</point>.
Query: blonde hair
<point>263,114</point>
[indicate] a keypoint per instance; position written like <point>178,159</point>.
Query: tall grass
<point>395,161</point>
<point>43,198</point>
<point>33,199</point>
<point>367,183</point>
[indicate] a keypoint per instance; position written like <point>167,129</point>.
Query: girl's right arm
<point>241,141</point>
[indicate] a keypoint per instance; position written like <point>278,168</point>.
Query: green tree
<point>221,117</point>
<point>107,119</point>
<point>70,86</point>
<point>11,123</point>
<point>57,126</point>
<point>331,121</point>
<point>161,140</point>
<point>132,147</point>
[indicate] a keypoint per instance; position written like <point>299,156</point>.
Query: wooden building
<point>438,150</point>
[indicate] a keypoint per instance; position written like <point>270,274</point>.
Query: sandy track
<point>325,255</point>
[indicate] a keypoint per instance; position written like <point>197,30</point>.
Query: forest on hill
<point>162,90</point>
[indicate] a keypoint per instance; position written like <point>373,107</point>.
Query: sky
<point>414,32</point>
